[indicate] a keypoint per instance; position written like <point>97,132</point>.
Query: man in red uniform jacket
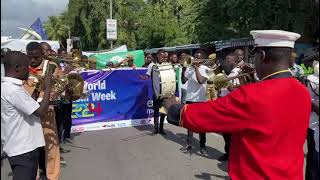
<point>268,120</point>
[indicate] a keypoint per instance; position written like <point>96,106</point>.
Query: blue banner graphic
<point>113,96</point>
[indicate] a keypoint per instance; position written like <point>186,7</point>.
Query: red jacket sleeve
<point>227,114</point>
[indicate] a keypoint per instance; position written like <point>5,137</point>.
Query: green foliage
<point>157,23</point>
<point>55,28</point>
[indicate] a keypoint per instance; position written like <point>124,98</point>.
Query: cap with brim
<point>274,38</point>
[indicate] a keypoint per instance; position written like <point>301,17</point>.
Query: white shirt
<point>62,66</point>
<point>313,87</point>
<point>196,92</point>
<point>297,70</point>
<point>234,72</point>
<point>150,69</point>
<point>21,131</point>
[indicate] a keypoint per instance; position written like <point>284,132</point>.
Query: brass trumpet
<point>188,60</point>
<point>221,80</point>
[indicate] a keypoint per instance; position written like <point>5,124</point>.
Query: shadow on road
<point>180,138</point>
<point>208,176</point>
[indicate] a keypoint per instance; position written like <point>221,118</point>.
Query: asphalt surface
<point>134,154</point>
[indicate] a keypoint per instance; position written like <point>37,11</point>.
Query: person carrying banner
<point>128,61</point>
<point>148,59</point>
<point>268,120</point>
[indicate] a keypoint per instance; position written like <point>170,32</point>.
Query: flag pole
<point>25,32</point>
<point>28,29</point>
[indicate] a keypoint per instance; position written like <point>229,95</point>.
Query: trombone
<point>73,59</point>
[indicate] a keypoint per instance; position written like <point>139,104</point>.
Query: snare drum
<point>163,80</point>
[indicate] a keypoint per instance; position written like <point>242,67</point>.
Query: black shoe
<point>186,148</point>
<point>224,157</point>
<point>155,131</point>
<point>162,132</point>
<point>204,151</point>
<point>62,150</point>
<point>68,140</point>
<point>42,175</point>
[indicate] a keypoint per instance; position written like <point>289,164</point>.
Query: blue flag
<point>37,27</point>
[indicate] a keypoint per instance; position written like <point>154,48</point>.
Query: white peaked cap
<point>274,38</point>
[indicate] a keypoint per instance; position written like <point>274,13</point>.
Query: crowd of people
<point>35,122</point>
<point>264,124</point>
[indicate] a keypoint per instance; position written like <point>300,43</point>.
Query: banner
<point>116,98</point>
<point>103,59</point>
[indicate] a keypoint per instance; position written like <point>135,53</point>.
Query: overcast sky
<point>22,13</point>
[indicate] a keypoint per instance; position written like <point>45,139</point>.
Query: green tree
<point>157,23</point>
<point>55,28</point>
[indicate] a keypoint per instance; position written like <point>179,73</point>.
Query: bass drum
<point>163,80</point>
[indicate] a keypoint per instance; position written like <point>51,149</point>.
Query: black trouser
<point>202,136</point>
<point>59,119</point>
<point>63,117</point>
<point>227,143</point>
<point>311,149</point>
<point>25,166</point>
<point>67,123</point>
<point>42,159</point>
<point>315,166</point>
<point>156,106</point>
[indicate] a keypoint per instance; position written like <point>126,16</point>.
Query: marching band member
<point>240,54</point>
<point>231,68</point>
<point>312,167</point>
<point>196,78</point>
<point>38,66</point>
<point>21,131</point>
<point>157,102</point>
<point>296,70</point>
<point>268,120</point>
<point>64,109</point>
<point>173,58</point>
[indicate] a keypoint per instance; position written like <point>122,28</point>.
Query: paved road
<point>133,154</point>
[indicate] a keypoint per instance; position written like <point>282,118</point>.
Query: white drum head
<point>163,80</point>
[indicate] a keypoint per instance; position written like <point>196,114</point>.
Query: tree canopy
<point>157,23</point>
